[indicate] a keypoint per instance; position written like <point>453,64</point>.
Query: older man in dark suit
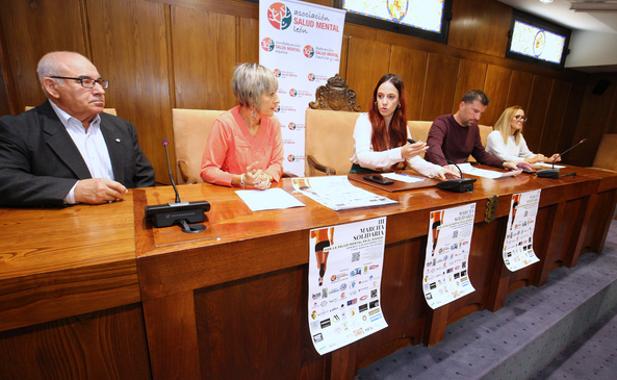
<point>67,150</point>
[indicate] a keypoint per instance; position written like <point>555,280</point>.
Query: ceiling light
<point>546,1</point>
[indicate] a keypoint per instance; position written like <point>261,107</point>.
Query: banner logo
<point>277,73</point>
<point>279,16</point>
<point>309,52</point>
<point>293,92</point>
<point>310,77</point>
<point>267,44</point>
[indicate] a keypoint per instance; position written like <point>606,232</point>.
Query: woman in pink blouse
<point>244,148</point>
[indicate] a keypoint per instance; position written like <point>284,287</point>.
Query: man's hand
<point>98,190</point>
<point>510,165</point>
<point>525,166</point>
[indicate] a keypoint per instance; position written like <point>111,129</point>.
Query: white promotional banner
<point>518,246</point>
<point>446,276</point>
<point>301,43</point>
<point>344,283</point>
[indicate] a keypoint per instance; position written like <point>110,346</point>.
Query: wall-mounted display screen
<point>425,18</point>
<point>537,40</point>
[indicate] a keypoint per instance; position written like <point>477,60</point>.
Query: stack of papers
<point>544,165</point>
<point>271,199</point>
<point>403,177</point>
<point>468,169</point>
<point>337,193</point>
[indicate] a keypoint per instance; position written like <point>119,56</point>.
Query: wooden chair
<point>330,121</point>
<point>191,129</point>
<point>111,111</point>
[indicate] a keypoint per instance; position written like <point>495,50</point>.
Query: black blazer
<point>40,163</point>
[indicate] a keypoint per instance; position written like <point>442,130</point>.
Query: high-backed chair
<point>191,130</point>
<point>419,132</point>
<point>329,122</point>
<point>111,111</point>
<point>329,141</point>
<point>606,156</point>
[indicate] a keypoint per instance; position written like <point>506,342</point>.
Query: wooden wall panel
<point>342,71</point>
<point>481,26</point>
<point>551,133</point>
<point>439,87</point>
<point>31,29</point>
<point>520,89</point>
<point>612,120</point>
<point>109,344</point>
<point>4,95</point>
<point>204,51</point>
<point>248,40</point>
<point>592,122</point>
<point>374,57</point>
<point>471,75</point>
<point>536,114</point>
<point>571,115</point>
<point>410,65</point>
<point>129,48</point>
<point>496,87</point>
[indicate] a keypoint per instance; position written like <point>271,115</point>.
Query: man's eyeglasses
<point>85,81</point>
<point>520,117</point>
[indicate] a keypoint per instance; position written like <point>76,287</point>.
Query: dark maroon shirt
<point>450,141</point>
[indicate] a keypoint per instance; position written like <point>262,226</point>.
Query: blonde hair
<point>503,124</point>
<point>250,81</point>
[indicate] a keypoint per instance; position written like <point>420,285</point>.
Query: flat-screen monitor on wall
<point>537,40</point>
<point>423,18</point>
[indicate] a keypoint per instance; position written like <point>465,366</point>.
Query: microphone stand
<point>185,214</point>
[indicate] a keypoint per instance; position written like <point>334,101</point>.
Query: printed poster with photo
<point>518,250</point>
<point>446,277</point>
<point>301,43</point>
<point>344,283</point>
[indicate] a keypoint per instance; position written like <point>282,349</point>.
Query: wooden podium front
<point>232,302</point>
<point>92,291</point>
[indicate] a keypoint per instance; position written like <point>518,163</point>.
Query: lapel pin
<point>118,140</point>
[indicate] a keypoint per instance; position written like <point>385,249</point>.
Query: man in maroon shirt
<point>452,138</point>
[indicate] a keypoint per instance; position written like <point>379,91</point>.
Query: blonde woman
<point>507,141</point>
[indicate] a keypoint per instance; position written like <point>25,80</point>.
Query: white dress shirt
<point>365,156</point>
<point>510,151</point>
<point>90,143</point>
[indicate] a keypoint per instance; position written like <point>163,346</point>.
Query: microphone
<point>184,214</point>
<point>554,173</point>
<point>458,185</point>
<point>171,177</point>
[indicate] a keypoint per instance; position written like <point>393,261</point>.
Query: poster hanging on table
<point>518,250</point>
<point>344,283</point>
<point>446,276</point>
<point>301,43</point>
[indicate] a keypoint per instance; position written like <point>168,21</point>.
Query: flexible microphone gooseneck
<point>554,173</point>
<point>169,175</point>
<point>457,185</point>
<point>185,214</point>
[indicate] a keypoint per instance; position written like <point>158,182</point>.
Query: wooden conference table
<point>93,292</point>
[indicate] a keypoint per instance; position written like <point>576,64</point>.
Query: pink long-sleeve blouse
<point>230,148</point>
